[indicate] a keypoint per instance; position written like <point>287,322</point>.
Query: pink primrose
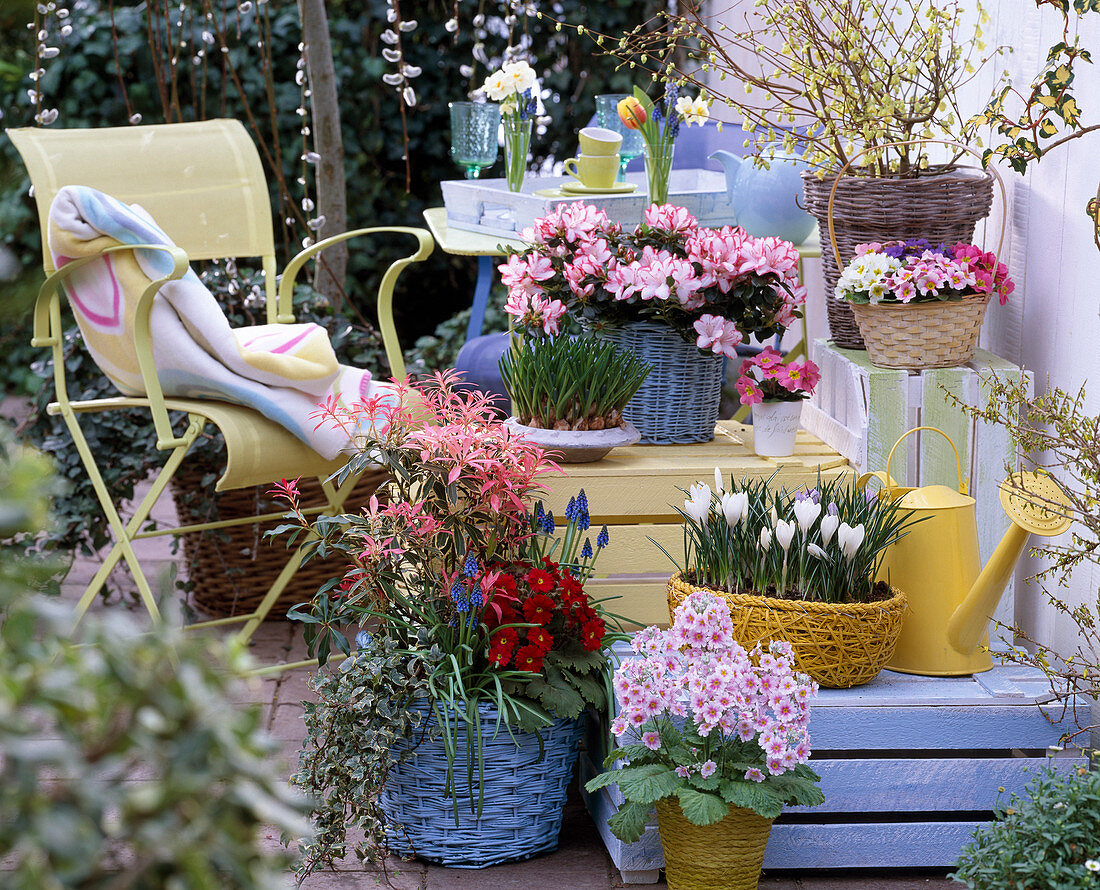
<point>750,393</point>
<point>651,740</point>
<point>752,774</point>
<point>708,769</point>
<point>683,772</point>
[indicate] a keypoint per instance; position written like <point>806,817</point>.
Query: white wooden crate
<point>861,411</point>
<point>486,205</point>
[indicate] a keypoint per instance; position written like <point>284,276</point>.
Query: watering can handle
<point>958,463</point>
<point>885,478</point>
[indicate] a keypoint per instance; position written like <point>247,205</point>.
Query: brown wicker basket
<point>916,336</point>
<point>725,855</point>
<point>943,207</point>
<point>232,568</point>
<point>838,644</point>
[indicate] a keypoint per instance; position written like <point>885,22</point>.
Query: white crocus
<point>850,539</point>
<point>829,522</point>
<point>697,506</point>
<point>718,489</point>
<point>806,512</point>
<point>735,506</point>
<point>774,517</point>
<point>765,538</point>
<point>817,552</point>
<point>784,534</point>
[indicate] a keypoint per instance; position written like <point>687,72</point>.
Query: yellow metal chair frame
<point>204,184</point>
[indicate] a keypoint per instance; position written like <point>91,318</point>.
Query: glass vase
<point>658,169</point>
<point>517,143</point>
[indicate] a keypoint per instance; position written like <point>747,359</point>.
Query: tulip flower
<point>697,506</point>
<point>631,113</point>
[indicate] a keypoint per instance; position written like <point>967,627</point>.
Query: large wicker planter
<point>231,569</point>
<point>524,795</point>
<point>726,855</point>
<point>838,644</point>
<point>944,208</point>
<point>915,336</point>
<point>679,400</point>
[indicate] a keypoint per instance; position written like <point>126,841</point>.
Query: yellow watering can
<point>937,565</point>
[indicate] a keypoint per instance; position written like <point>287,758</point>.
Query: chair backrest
<point>202,182</point>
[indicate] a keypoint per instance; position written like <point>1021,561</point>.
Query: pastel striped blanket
<point>282,370</point>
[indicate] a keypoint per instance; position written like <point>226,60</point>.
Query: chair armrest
<point>385,290</point>
<point>48,332</point>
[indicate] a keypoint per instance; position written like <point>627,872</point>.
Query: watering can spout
<point>969,621</point>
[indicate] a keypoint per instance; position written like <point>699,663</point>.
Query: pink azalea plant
<point>920,272</point>
<point>767,378</point>
<point>702,719</point>
<point>715,286</point>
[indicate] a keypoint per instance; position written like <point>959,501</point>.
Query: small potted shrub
<point>716,738</point>
<point>797,566</point>
<point>478,649</point>
<point>569,393</point>
<point>1047,839</point>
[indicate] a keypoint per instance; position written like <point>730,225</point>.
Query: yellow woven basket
<point>838,644</point>
<point>726,855</point>
<point>916,336</point>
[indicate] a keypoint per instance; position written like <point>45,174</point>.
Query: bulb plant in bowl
<point>776,390</point>
<point>569,393</point>
<point>716,737</point>
<point>797,566</point>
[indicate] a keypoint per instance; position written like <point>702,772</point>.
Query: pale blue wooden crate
<point>919,760</point>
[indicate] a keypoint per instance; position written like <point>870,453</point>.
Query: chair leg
<point>336,496</point>
<point>124,533</point>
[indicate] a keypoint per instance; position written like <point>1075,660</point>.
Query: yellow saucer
<point>619,188</point>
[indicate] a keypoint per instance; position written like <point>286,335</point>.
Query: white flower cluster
<point>867,274</point>
<point>693,111</point>
<point>513,79</point>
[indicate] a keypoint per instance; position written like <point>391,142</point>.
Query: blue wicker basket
<point>678,402</point>
<point>524,796</point>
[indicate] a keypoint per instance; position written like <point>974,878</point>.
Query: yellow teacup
<point>593,172</point>
<point>596,141</point>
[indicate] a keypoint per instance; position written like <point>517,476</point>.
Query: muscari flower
<point>602,538</point>
<point>548,525</point>
<point>584,520</point>
<point>469,568</point>
<point>459,598</point>
<point>586,550</point>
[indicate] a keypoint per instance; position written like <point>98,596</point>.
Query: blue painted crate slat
<point>923,761</point>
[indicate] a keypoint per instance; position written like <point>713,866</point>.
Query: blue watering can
<point>765,202</point>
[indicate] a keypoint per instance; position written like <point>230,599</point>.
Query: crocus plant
<point>704,720</point>
<point>714,286</point>
<point>919,272</point>
<point>824,544</point>
<point>765,377</point>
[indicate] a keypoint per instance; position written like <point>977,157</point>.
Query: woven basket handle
<point>958,463</point>
<point>861,153</point>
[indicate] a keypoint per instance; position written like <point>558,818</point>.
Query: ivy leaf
<point>1069,111</point>
<point>701,807</point>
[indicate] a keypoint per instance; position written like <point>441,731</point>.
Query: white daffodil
<point>806,513</point>
<point>765,538</point>
<point>693,111</point>
<point>520,75</point>
<point>850,539</point>
<point>697,506</point>
<point>828,525</point>
<point>735,506</point>
<point>784,534</point>
<point>817,552</point>
<point>497,86</point>
<point>718,489</point>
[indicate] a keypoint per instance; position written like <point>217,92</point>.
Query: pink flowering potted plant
<point>715,737</point>
<point>920,305</point>
<point>776,390</point>
<point>679,295</point>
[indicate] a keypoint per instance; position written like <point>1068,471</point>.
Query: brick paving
<point>580,863</point>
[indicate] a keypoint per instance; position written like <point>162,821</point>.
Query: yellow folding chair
<point>204,184</point>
